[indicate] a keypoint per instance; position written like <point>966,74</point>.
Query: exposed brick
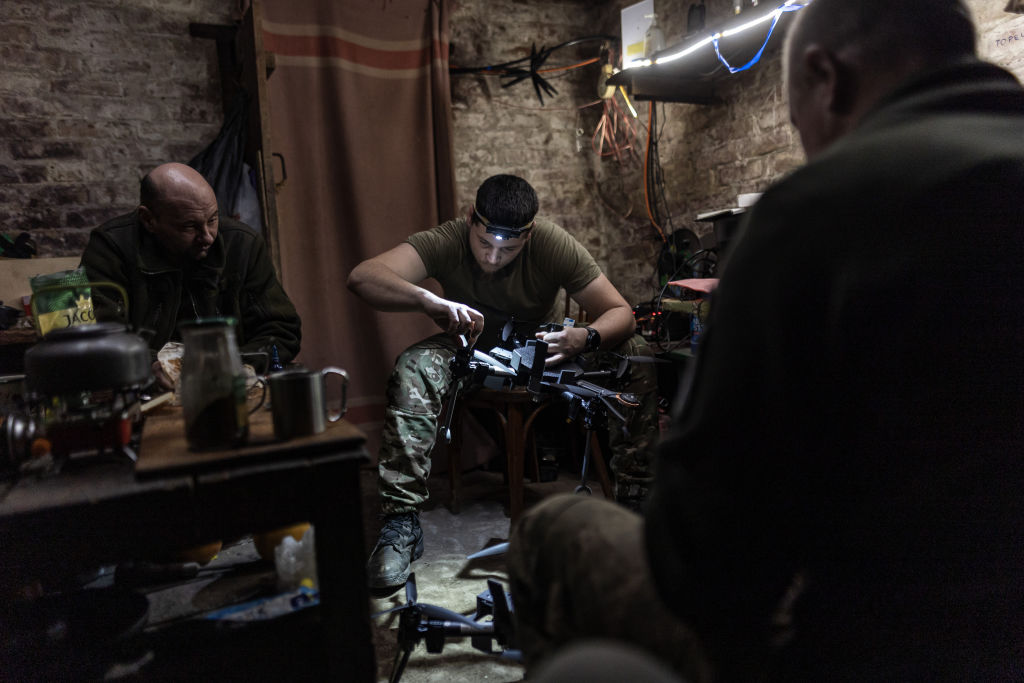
<point>45,150</point>
<point>95,94</point>
<point>32,173</point>
<point>22,129</point>
<point>91,218</point>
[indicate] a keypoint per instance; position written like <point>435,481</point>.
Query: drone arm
<point>495,366</point>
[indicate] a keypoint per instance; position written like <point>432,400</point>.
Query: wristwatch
<point>593,342</point>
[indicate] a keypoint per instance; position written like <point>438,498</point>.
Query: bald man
<point>178,260</point>
<point>842,495</point>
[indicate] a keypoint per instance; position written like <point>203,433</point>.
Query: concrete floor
<point>444,576</point>
<point>174,644</point>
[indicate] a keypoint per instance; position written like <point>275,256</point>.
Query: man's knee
<point>602,660</point>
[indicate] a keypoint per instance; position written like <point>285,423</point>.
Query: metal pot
<point>92,357</point>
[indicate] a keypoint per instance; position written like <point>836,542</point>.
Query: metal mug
<point>298,401</point>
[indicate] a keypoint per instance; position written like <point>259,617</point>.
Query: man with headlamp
<point>496,263</point>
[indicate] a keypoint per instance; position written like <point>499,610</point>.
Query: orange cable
<point>647,155</point>
<point>566,68</point>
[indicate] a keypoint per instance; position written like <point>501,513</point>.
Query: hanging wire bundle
<point>654,178</point>
<point>615,134</point>
<point>519,70</point>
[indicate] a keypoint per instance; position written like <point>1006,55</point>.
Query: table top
<point>18,335</point>
<point>164,450</point>
<point>99,510</point>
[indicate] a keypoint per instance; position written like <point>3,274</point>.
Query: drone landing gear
<point>584,488</point>
<point>434,625</point>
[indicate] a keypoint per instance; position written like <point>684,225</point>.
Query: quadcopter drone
<point>420,621</point>
<point>521,362</point>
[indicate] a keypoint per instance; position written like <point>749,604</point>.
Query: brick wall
<point>94,94</point>
<point>709,153</point>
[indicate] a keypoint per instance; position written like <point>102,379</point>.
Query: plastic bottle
<point>295,562</point>
<point>696,328</point>
<point>654,38</point>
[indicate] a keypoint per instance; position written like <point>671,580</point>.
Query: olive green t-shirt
<point>526,288</point>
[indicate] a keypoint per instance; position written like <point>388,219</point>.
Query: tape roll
<point>605,91</point>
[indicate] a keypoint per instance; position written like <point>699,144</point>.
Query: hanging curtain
<point>361,110</point>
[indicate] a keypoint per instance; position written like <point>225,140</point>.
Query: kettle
<point>93,357</point>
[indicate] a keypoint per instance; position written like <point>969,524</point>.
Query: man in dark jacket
<point>178,260</point>
<point>842,497</point>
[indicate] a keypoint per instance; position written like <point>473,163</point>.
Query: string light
<point>773,16</point>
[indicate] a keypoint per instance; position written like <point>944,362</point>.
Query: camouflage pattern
<point>417,390</point>
<point>633,456</point>
<point>559,597</point>
<point>416,394</point>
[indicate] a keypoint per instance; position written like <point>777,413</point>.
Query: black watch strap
<point>593,339</point>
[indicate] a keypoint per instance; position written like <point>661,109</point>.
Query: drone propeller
<point>410,598</point>
<point>508,330</point>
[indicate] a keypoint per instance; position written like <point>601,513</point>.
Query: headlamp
<point>502,232</point>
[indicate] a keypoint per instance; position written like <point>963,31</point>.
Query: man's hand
<point>564,344</point>
<point>455,318</point>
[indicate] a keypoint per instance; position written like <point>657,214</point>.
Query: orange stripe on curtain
<point>325,46</point>
<point>360,108</point>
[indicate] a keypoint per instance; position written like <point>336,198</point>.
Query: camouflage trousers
<point>560,596</point>
<point>416,393</point>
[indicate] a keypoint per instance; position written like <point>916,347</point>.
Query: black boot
<point>400,542</point>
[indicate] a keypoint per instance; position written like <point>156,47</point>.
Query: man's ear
<point>831,80</point>
<point>146,217</point>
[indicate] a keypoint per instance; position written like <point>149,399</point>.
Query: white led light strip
<point>707,40</point>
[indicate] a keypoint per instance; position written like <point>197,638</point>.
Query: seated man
<point>497,262</point>
<point>842,496</point>
<point>179,260</point>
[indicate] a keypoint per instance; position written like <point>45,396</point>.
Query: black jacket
<point>236,279</point>
<point>842,497</point>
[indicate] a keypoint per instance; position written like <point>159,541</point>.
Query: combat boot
<point>400,542</point>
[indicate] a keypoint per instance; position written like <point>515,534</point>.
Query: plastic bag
<point>61,299</point>
<point>295,562</point>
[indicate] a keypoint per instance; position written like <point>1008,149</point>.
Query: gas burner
<point>83,388</point>
<point>98,423</point>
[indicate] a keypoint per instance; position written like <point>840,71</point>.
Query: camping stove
<point>83,393</point>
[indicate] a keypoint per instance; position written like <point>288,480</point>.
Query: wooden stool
<point>511,406</point>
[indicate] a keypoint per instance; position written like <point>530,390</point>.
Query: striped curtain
<point>360,108</point>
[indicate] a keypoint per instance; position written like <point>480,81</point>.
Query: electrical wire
<point>518,70</point>
<point>571,66</point>
<point>656,302</point>
<point>778,12</point>
<point>616,130</point>
<point>647,176</point>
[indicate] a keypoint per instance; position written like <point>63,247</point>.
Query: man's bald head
<point>843,56</point>
<point>179,208</point>
<point>170,181</point>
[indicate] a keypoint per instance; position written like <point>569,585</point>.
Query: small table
<point>14,342</point>
<point>98,513</point>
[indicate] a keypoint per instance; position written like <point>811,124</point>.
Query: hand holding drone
<point>521,362</point>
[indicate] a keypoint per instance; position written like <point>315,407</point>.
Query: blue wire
<point>757,57</point>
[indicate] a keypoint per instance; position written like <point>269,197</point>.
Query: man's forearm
<point>615,326</point>
<point>384,290</point>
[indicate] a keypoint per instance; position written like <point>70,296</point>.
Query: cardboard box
<point>15,274</point>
